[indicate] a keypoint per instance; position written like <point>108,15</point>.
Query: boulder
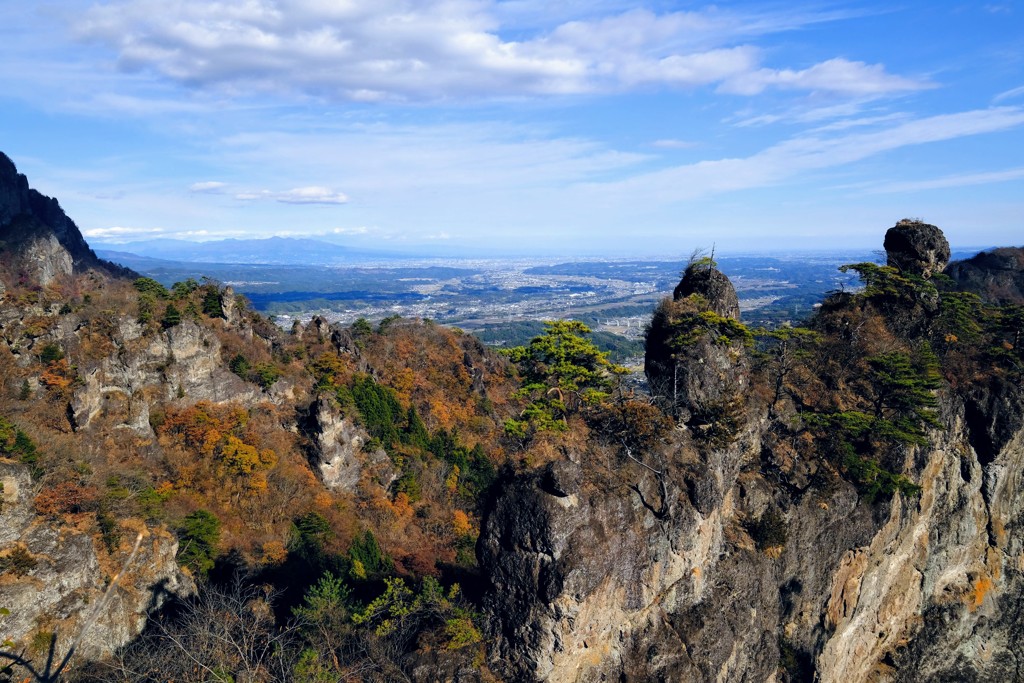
<point>916,248</point>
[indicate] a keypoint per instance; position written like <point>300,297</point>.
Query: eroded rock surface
<point>917,248</point>
<point>338,449</point>
<point>594,576</point>
<point>58,594</point>
<point>712,284</point>
<point>692,359</point>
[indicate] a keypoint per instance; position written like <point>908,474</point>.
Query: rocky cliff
<point>59,577</point>
<point>996,275</point>
<point>37,239</point>
<point>766,558</point>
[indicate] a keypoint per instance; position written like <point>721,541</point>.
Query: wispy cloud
<point>210,187</point>
<point>444,49</point>
<point>122,233</point>
<point>834,75</point>
<point>669,143</point>
<point>312,195</point>
<point>960,180</point>
<point>408,158</point>
<point>1009,94</point>
<point>810,152</point>
<point>298,195</point>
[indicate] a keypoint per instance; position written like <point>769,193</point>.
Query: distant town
<point>504,300</point>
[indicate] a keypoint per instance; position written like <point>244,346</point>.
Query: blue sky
<point>590,127</point>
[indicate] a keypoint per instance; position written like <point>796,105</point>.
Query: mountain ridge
<point>41,240</point>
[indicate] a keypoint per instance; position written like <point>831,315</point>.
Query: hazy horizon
<point>453,252</point>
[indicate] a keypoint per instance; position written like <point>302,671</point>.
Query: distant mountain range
<point>271,251</point>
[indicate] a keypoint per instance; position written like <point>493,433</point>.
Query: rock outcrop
<point>996,276</point>
<point>695,360</point>
<point>917,248</point>
<point>338,451</point>
<point>594,576</point>
<point>184,360</point>
<point>58,593</point>
<point>705,280</point>
<point>38,239</point>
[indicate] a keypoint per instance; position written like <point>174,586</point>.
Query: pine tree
<point>172,317</point>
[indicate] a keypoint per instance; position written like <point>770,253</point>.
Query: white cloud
<point>211,187</point>
<point>861,122</point>
<point>803,112</point>
<point>809,152</point>
<point>361,230</point>
<point>385,160</point>
<point>121,233</point>
<point>249,196</point>
<point>299,195</point>
<point>674,144</point>
<point>311,195</point>
<point>834,75</point>
<point>1009,94</point>
<point>364,50</point>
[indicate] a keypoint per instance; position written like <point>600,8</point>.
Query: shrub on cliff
<point>562,372</point>
<point>198,536</point>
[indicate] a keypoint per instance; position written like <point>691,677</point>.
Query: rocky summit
<point>837,501</point>
<point>38,241</point>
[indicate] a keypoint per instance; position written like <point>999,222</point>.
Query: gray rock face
<point>40,241</point>
<point>713,285</point>
<point>185,357</point>
<point>62,590</point>
<point>17,494</point>
<point>46,259</point>
<point>589,584</point>
<point>996,276</point>
<point>916,248</point>
<point>338,449</point>
<point>691,362</point>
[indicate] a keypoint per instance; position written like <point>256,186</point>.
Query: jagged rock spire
<point>701,277</point>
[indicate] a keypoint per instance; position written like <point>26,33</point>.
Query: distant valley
<point>502,300</point>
